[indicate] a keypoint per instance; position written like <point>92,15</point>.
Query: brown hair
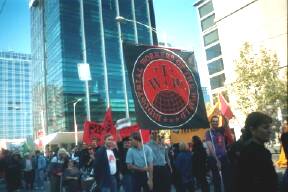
<point>136,136</point>
<point>107,135</point>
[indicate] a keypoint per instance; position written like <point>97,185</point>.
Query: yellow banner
<point>186,135</point>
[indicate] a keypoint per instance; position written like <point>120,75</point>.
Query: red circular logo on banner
<point>165,87</point>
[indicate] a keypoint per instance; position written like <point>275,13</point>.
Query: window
<point>208,22</point>
<point>213,52</point>
<point>215,66</point>
<point>217,81</point>
<point>211,37</point>
<point>206,9</point>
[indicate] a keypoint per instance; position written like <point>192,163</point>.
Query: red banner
<point>92,130</point>
<point>127,131</point>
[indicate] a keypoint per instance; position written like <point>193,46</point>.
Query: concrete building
<point>262,23</point>
<point>211,46</point>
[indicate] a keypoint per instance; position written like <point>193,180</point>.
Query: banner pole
<point>145,159</point>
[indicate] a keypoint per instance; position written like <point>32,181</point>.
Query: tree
<point>258,86</point>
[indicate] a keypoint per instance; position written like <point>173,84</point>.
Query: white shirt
<point>28,165</point>
<point>112,161</point>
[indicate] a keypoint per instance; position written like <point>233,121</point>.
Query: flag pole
<point>145,158</point>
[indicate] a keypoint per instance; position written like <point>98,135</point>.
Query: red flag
<point>108,124</point>
<point>127,131</point>
<point>92,130</point>
<point>225,108</point>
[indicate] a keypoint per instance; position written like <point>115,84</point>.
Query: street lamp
<point>85,65</point>
<point>75,123</point>
<point>120,19</point>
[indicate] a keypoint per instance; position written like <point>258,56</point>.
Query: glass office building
<point>211,45</point>
<point>57,49</point>
<point>15,96</point>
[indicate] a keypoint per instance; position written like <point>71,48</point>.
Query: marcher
<point>255,171</point>
<point>71,177</point>
<point>75,155</point>
<point>126,173</point>
<point>13,168</point>
<point>40,167</point>
<point>56,168</point>
<point>175,178</point>
<point>139,160</point>
<point>199,162</point>
<point>284,141</point>
<point>87,169</point>
<point>105,166</point>
<point>28,169</point>
<point>161,164</point>
<point>218,160</point>
<point>184,167</point>
<point>234,152</point>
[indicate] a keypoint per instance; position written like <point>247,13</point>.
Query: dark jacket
<point>255,170</point>
<point>199,161</point>
<point>102,169</point>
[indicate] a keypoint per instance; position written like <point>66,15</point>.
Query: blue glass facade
<point>59,23</point>
<point>15,96</point>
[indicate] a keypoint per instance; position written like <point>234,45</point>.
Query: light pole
<point>85,60</point>
<point>75,123</point>
<point>120,19</point>
<point>122,63</point>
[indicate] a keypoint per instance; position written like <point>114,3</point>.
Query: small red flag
<point>108,123</point>
<point>225,108</point>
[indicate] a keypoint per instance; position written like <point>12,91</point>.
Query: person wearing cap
<point>139,161</point>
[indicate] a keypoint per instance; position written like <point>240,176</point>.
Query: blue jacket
<point>101,167</point>
<point>41,162</point>
<point>183,165</point>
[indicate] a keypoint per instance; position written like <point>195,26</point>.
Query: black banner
<point>166,88</point>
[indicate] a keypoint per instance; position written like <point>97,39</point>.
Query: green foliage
<point>258,86</point>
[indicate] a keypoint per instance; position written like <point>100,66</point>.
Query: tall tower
<point>57,49</point>
<point>15,96</point>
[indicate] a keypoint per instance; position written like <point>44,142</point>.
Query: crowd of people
<point>209,164</point>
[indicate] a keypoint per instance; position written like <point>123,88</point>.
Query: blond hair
<point>62,151</point>
<point>183,146</point>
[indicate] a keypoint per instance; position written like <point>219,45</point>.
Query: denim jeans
<point>127,182</point>
<point>39,178</point>
<point>139,181</point>
<point>112,187</point>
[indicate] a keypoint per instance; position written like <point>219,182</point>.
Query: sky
<point>176,21</point>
